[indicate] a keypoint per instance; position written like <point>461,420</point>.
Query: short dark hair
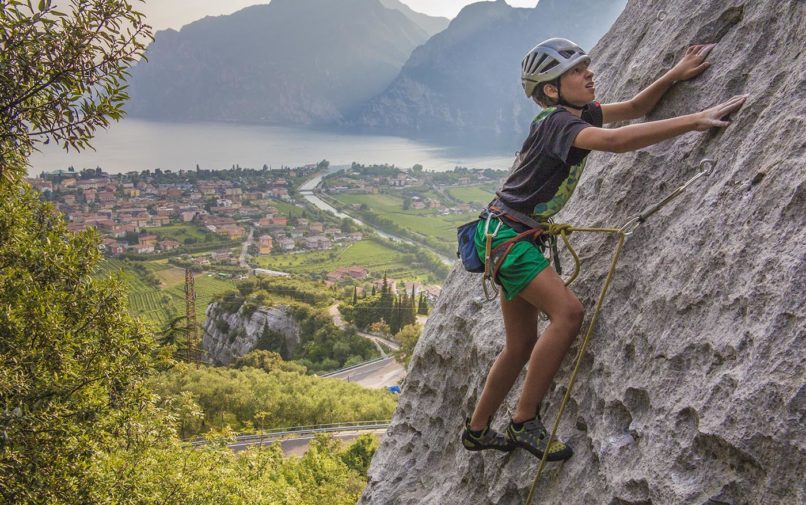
<point>540,95</point>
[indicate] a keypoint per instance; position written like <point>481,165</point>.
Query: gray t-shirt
<point>550,166</point>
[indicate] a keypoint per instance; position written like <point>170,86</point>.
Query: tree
<point>379,327</point>
<point>63,73</point>
<point>358,456</point>
<point>268,361</point>
<point>347,225</point>
<point>74,360</point>
<point>422,306</point>
<point>173,335</point>
<point>407,338</point>
<point>394,320</point>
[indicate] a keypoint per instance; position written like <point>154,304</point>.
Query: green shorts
<point>521,265</point>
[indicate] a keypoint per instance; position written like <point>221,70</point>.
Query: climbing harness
<point>541,234</point>
<point>707,166</point>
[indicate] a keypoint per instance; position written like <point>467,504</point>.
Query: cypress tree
<point>386,301</point>
<point>423,306</point>
<point>394,320</point>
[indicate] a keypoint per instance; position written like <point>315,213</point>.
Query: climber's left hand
<point>692,64</point>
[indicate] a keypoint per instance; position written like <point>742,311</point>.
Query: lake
<point>136,144</point>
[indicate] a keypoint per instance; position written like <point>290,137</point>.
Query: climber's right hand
<point>717,116</point>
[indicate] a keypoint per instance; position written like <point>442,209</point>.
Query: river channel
<point>307,190</point>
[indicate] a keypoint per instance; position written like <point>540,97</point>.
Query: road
<point>245,249</point>
<point>299,445</point>
<point>333,310</point>
<point>377,375</point>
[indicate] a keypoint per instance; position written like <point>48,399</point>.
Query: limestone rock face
<point>692,389</point>
<point>230,336</point>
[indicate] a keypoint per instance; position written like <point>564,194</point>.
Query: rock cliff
<point>692,389</point>
<point>228,336</point>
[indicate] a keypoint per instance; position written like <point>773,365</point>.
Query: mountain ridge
<point>280,63</point>
<point>464,83</point>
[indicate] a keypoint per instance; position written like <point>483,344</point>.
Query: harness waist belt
<point>515,215</point>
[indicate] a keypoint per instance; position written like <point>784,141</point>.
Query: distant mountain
<point>431,24</point>
<point>463,85</point>
<point>292,62</point>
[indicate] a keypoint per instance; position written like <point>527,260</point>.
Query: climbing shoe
<point>487,439</point>
<point>532,436</point>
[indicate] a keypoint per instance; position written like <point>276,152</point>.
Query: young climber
<point>556,75</point>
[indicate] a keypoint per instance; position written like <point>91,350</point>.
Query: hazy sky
<point>164,14</point>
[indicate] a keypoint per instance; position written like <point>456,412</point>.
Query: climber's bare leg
<point>548,293</point>
<point>520,323</point>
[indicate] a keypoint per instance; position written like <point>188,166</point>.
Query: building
<point>286,244</point>
<point>147,241</point>
<point>113,247</point>
<point>168,245</point>
<point>317,242</point>
<point>357,272</point>
<point>265,244</point>
<point>231,231</point>
<point>222,256</point>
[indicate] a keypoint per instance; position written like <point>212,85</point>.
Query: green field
<point>285,208</point>
<point>472,194</point>
<point>207,286</point>
<point>181,232</point>
<point>160,305</point>
<point>370,254</point>
<point>436,230</point>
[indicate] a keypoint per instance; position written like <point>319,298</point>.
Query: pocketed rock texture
<point>229,336</point>
<point>692,388</point>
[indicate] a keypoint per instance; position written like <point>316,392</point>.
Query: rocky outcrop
<point>692,389</point>
<point>228,336</point>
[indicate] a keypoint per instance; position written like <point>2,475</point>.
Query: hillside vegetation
<point>249,399</point>
<point>81,420</point>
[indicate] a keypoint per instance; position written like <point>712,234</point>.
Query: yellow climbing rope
<point>564,234</point>
<point>564,230</point>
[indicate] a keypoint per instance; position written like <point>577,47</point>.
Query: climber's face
<point>577,86</point>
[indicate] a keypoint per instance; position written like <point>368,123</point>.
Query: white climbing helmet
<point>548,61</point>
